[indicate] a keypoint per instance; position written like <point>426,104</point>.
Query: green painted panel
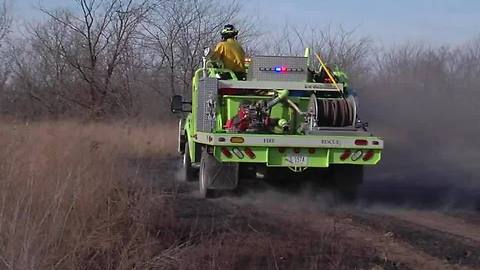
<point>241,156</point>
<point>337,153</point>
<point>272,157</point>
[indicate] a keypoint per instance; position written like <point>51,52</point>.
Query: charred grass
<point>452,249</point>
<point>71,198</point>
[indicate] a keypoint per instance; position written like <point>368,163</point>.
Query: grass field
<point>68,199</point>
<point>79,196</point>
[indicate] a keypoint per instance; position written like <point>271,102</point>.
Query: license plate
<point>296,160</point>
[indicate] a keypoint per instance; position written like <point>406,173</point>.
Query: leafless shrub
<point>427,99</point>
<point>336,46</point>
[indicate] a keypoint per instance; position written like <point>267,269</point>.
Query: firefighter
<point>338,75</point>
<point>341,76</point>
<point>230,52</point>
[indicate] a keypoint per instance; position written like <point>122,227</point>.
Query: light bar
<point>281,69</point>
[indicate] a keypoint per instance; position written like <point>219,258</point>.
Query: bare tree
<point>177,31</point>
<point>5,69</point>
<point>111,57</point>
<point>94,59</point>
<point>41,72</point>
<point>5,20</point>
<point>337,46</point>
<point>95,44</point>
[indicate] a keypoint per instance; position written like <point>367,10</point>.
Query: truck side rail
<point>303,86</point>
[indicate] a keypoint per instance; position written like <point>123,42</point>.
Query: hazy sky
<point>387,21</point>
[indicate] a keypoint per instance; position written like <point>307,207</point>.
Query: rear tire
<point>207,165</point>
<point>188,173</point>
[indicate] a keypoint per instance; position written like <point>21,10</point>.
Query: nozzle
<point>283,123</point>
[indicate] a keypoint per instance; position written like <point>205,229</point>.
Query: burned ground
<point>306,230</point>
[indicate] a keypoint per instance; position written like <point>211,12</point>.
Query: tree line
<point>125,58</point>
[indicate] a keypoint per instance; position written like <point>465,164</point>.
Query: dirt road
<point>269,227</point>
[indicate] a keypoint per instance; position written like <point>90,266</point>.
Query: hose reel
<point>331,112</point>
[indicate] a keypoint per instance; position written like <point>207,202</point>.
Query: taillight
<point>238,153</point>
<point>250,153</point>
<point>361,142</point>
<point>346,154</point>
<point>311,150</point>
<point>368,155</point>
<point>296,150</point>
<point>226,152</point>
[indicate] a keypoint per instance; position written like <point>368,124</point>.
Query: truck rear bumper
<point>272,140</point>
<point>294,150</point>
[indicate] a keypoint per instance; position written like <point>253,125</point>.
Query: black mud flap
<point>217,175</point>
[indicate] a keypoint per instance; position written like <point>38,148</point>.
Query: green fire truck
<point>281,116</point>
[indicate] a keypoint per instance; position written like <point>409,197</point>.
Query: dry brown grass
<point>68,199</point>
<point>74,196</point>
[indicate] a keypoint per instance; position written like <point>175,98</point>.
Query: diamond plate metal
<point>206,105</point>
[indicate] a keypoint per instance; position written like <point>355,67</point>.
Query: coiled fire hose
<point>334,113</point>
<point>330,113</point>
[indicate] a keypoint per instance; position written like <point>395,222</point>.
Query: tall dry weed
<point>69,198</point>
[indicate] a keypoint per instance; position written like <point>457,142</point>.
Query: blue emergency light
<point>279,69</point>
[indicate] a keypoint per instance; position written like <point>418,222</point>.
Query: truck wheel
<point>207,165</point>
<point>187,171</point>
<point>215,176</point>
<point>347,181</point>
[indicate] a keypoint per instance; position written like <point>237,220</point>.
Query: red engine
<point>251,118</point>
